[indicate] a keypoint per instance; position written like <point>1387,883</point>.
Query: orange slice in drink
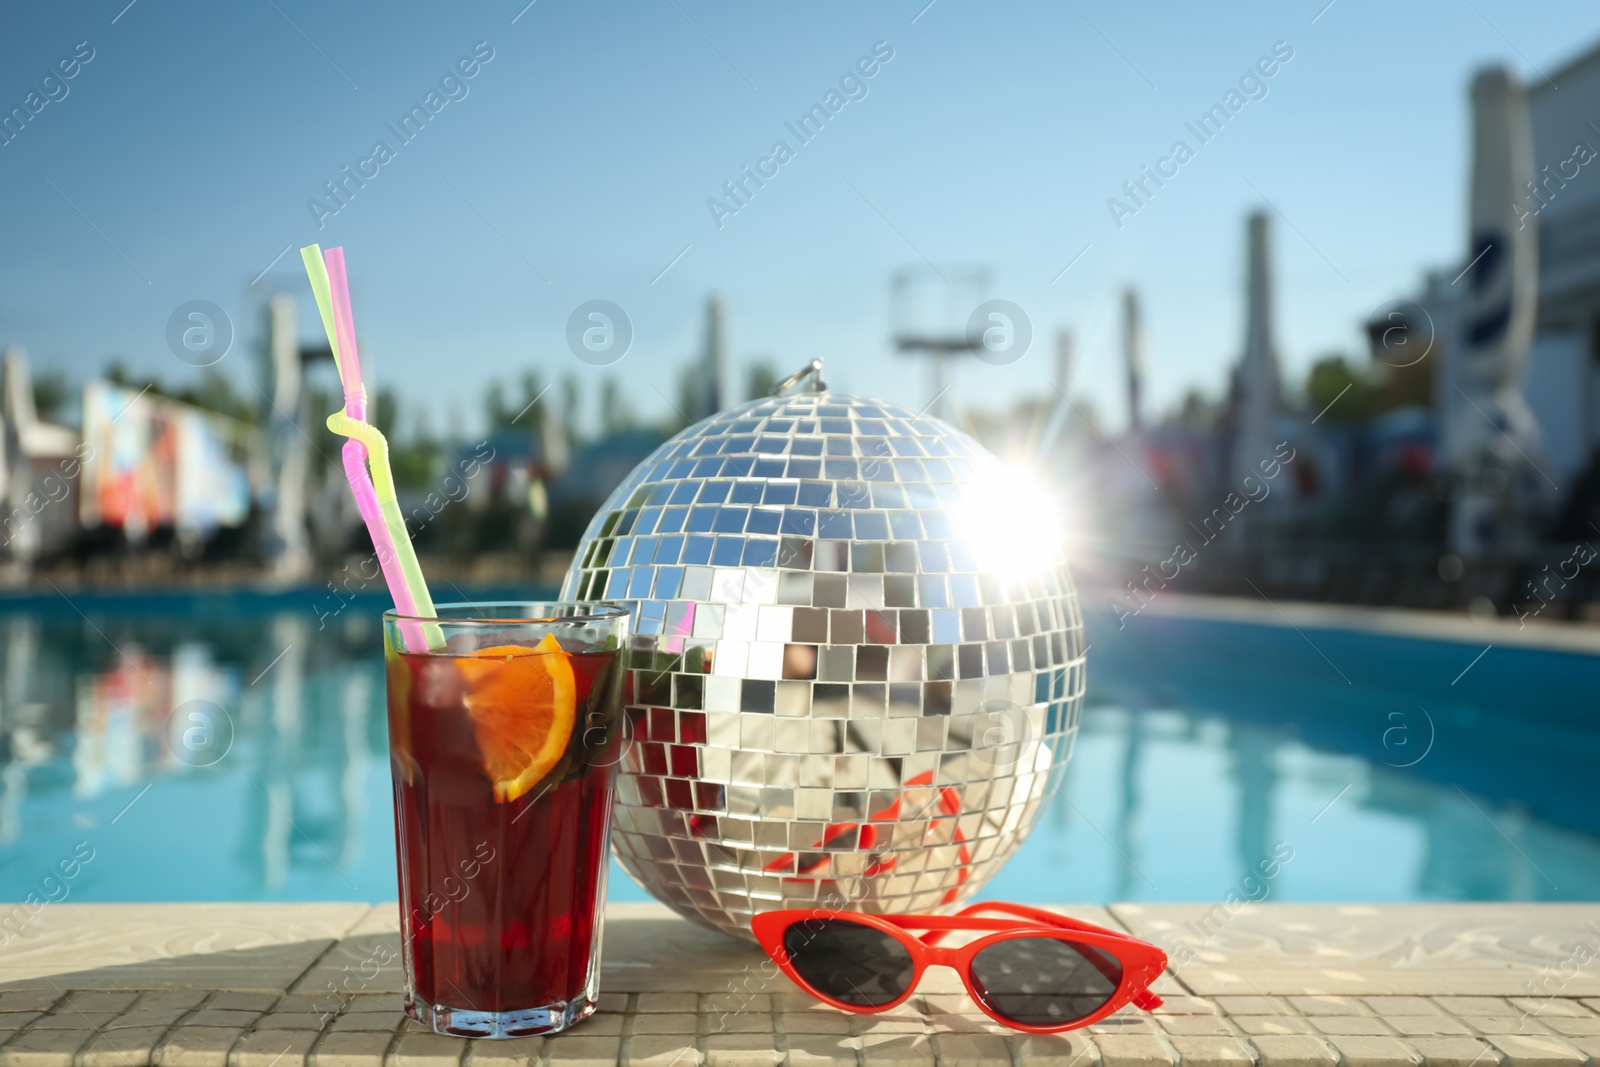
<point>523,702</point>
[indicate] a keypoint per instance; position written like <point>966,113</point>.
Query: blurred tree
<point>499,413</point>
<point>571,399</point>
<point>1404,385</point>
<point>315,402</point>
<point>527,413</point>
<point>616,414</point>
<point>691,398</point>
<point>415,462</point>
<point>215,393</point>
<point>50,393</point>
<point>1196,411</point>
<point>533,399</point>
<point>1333,378</point>
<point>761,380</point>
<point>1580,515</point>
<point>386,412</point>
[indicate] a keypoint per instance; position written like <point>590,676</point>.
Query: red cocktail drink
<point>504,736</point>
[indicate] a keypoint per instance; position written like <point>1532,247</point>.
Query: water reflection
<point>1189,770</point>
<point>311,759</point>
<point>1165,804</point>
<point>1128,816</point>
<point>97,711</point>
<point>1254,766</point>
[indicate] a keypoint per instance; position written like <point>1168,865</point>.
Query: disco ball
<point>858,666</point>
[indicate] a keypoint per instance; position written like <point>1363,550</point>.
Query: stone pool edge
<point>1275,985</point>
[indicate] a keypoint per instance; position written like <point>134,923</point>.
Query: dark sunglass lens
<point>1042,981</point>
<point>849,961</point>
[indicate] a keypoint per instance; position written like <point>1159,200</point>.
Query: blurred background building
<point>1453,465</point>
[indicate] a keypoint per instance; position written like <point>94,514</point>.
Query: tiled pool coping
<point>285,985</point>
<point>1547,632</point>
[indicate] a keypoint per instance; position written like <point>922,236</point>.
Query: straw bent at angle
<point>366,453</point>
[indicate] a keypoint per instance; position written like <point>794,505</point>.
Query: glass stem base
<point>524,1022</point>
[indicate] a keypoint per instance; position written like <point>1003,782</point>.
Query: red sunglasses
<point>1036,971</point>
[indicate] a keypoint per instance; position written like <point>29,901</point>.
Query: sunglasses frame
<point>1142,963</point>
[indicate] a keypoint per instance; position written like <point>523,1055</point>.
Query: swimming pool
<point>1360,765</point>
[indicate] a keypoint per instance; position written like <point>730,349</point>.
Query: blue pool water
<point>1382,770</point>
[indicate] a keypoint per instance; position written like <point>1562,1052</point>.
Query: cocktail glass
<point>505,730</point>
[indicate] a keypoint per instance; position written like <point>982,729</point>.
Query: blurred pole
<point>1062,406</point>
<point>1490,431</point>
<point>289,552</point>
<point>1133,356</point>
<point>1258,383</point>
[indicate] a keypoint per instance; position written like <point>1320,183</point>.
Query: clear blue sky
<point>595,136</point>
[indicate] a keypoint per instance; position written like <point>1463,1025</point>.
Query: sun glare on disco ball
<point>859,659</point>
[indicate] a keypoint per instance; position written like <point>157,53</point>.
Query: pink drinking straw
<point>383,523</point>
<point>355,453</point>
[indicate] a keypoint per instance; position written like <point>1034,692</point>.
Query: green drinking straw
<point>317,272</point>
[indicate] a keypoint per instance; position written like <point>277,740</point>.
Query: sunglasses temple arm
<point>1039,915</point>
